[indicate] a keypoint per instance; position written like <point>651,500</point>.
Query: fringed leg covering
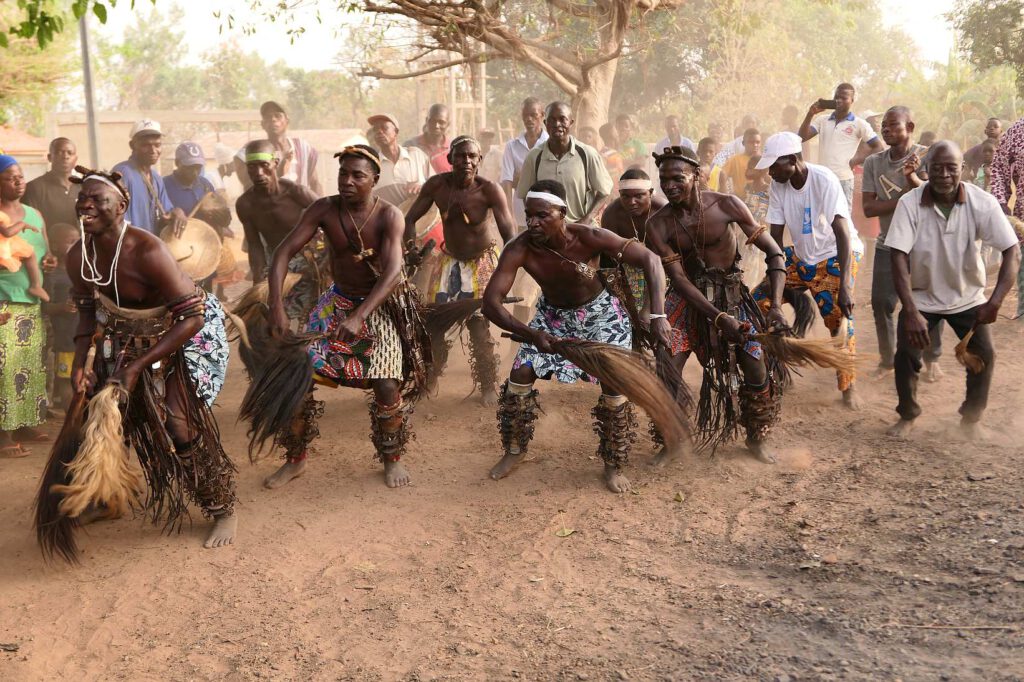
<point>615,423</point>
<point>440,347</point>
<point>483,361</point>
<point>759,409</point>
<point>517,410</point>
<point>655,434</point>
<point>390,430</point>
<point>303,430</point>
<point>210,476</point>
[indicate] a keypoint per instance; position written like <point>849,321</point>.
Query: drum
<point>197,250</point>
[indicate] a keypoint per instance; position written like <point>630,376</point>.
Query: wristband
<point>658,316</point>
<point>717,318</point>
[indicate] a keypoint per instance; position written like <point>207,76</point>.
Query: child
<point>983,177</point>
<point>14,251</point>
<point>62,313</point>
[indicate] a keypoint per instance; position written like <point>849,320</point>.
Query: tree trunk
<point>594,97</point>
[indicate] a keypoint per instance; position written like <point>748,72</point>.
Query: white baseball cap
<point>146,125</point>
<point>779,144</point>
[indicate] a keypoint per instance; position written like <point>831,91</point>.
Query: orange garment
<point>735,172</point>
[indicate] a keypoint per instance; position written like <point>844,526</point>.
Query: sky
<point>922,19</point>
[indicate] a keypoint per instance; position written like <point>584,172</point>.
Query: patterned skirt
<point>454,279</point>
<point>22,376</point>
<point>206,353</point>
<point>376,353</point>
<point>603,319</point>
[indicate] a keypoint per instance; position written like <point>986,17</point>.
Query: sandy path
<point>760,572</point>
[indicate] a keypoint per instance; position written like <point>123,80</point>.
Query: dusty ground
<point>858,557</point>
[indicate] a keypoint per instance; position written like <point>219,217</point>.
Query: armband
<point>669,260</point>
<point>193,305</point>
<point>618,256</point>
<point>658,316</point>
<point>774,255</point>
<point>757,233</point>
<point>782,270</point>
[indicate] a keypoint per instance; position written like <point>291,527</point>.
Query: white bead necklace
<point>94,276</point>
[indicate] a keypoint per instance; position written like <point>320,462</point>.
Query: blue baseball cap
<point>189,154</point>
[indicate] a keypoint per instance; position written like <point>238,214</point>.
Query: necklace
<point>457,201</point>
<point>636,233</point>
<point>364,252</point>
<point>582,269</point>
<point>92,262</point>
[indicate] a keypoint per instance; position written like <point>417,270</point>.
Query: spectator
<point>983,177</point>
<point>576,166</point>
<point>533,134</point>
<point>298,158</point>
<point>1008,181</point>
<point>613,160</point>
<point>150,208</point>
<point>790,119</point>
<point>888,175</point>
<point>52,193</point>
<point>403,169</point>
<point>61,312</point>
<point>974,156</point>
<point>186,188</point>
<point>490,155</point>
<point>673,136</point>
<point>434,138</point>
<point>927,138</point>
<point>841,134</point>
<point>22,375</point>
<point>634,151</point>
<point>707,148</point>
<point>728,149</point>
<point>735,170</point>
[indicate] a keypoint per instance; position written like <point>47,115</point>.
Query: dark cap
<point>271,107</point>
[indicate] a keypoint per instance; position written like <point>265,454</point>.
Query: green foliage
<point>45,20</point>
<point>992,33</point>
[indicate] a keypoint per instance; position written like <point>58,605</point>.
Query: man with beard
<point>578,167</point>
<point>935,239</point>
<point>150,208</point>
<point>434,138</point>
<point>470,208</point>
<point>162,340</point>
<point>52,193</point>
<point>810,200</point>
<point>268,211</point>
<point>363,328</point>
<point>710,310</point>
<point>297,158</point>
<point>562,257</point>
<point>627,216</point>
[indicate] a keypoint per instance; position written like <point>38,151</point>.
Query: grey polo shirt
<point>581,171</point>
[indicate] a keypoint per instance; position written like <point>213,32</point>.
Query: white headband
<point>545,196</point>
<point>635,183</point>
<point>105,181</point>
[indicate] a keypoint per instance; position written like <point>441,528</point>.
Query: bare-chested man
<point>627,217</point>
<point>162,339</point>
<point>470,207</point>
<point>709,308</point>
<point>362,321</point>
<point>562,257</point>
<point>268,211</point>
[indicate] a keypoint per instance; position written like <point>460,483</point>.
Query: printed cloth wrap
<point>206,353</point>
<point>683,340</point>
<point>376,353</point>
<point>22,377</point>
<point>602,319</point>
<point>455,279</point>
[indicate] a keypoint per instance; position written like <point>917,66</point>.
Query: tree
<point>45,20</point>
<point>992,33</point>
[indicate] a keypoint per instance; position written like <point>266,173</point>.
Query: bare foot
<point>761,451</point>
<point>882,372</point>
<point>395,474</point>
<point>13,451</point>
<point>488,397</point>
<point>287,472</point>
<point>223,532</point>
<point>901,429</point>
<point>666,456</point>
<point>932,372</point>
<point>974,431</point>
<point>615,481</point>
<point>505,465</point>
<point>850,399</point>
<point>39,293</point>
<point>28,434</point>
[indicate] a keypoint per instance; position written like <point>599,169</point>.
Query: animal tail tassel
<point>805,352</point>
<point>970,360</point>
<point>101,473</point>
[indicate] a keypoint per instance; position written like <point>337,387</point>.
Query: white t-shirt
<point>947,272</point>
<point>839,141</point>
<point>412,166</point>
<point>512,165</point>
<point>808,212</point>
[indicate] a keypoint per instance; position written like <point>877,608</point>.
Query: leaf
<point>565,532</point>
<point>679,497</point>
<point>100,11</point>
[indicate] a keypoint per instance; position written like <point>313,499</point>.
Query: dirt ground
<point>857,557</point>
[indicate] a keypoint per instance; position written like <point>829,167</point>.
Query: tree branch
<point>377,73</point>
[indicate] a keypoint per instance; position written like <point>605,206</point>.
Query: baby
<point>14,251</point>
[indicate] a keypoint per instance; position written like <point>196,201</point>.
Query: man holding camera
<point>841,134</point>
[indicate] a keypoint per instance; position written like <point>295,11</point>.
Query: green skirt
<point>22,375</point>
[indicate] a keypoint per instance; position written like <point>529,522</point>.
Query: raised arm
<point>807,131</point>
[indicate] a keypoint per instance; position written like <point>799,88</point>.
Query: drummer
<point>471,207</point>
<point>403,169</point>
<point>268,211</point>
<point>187,187</point>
